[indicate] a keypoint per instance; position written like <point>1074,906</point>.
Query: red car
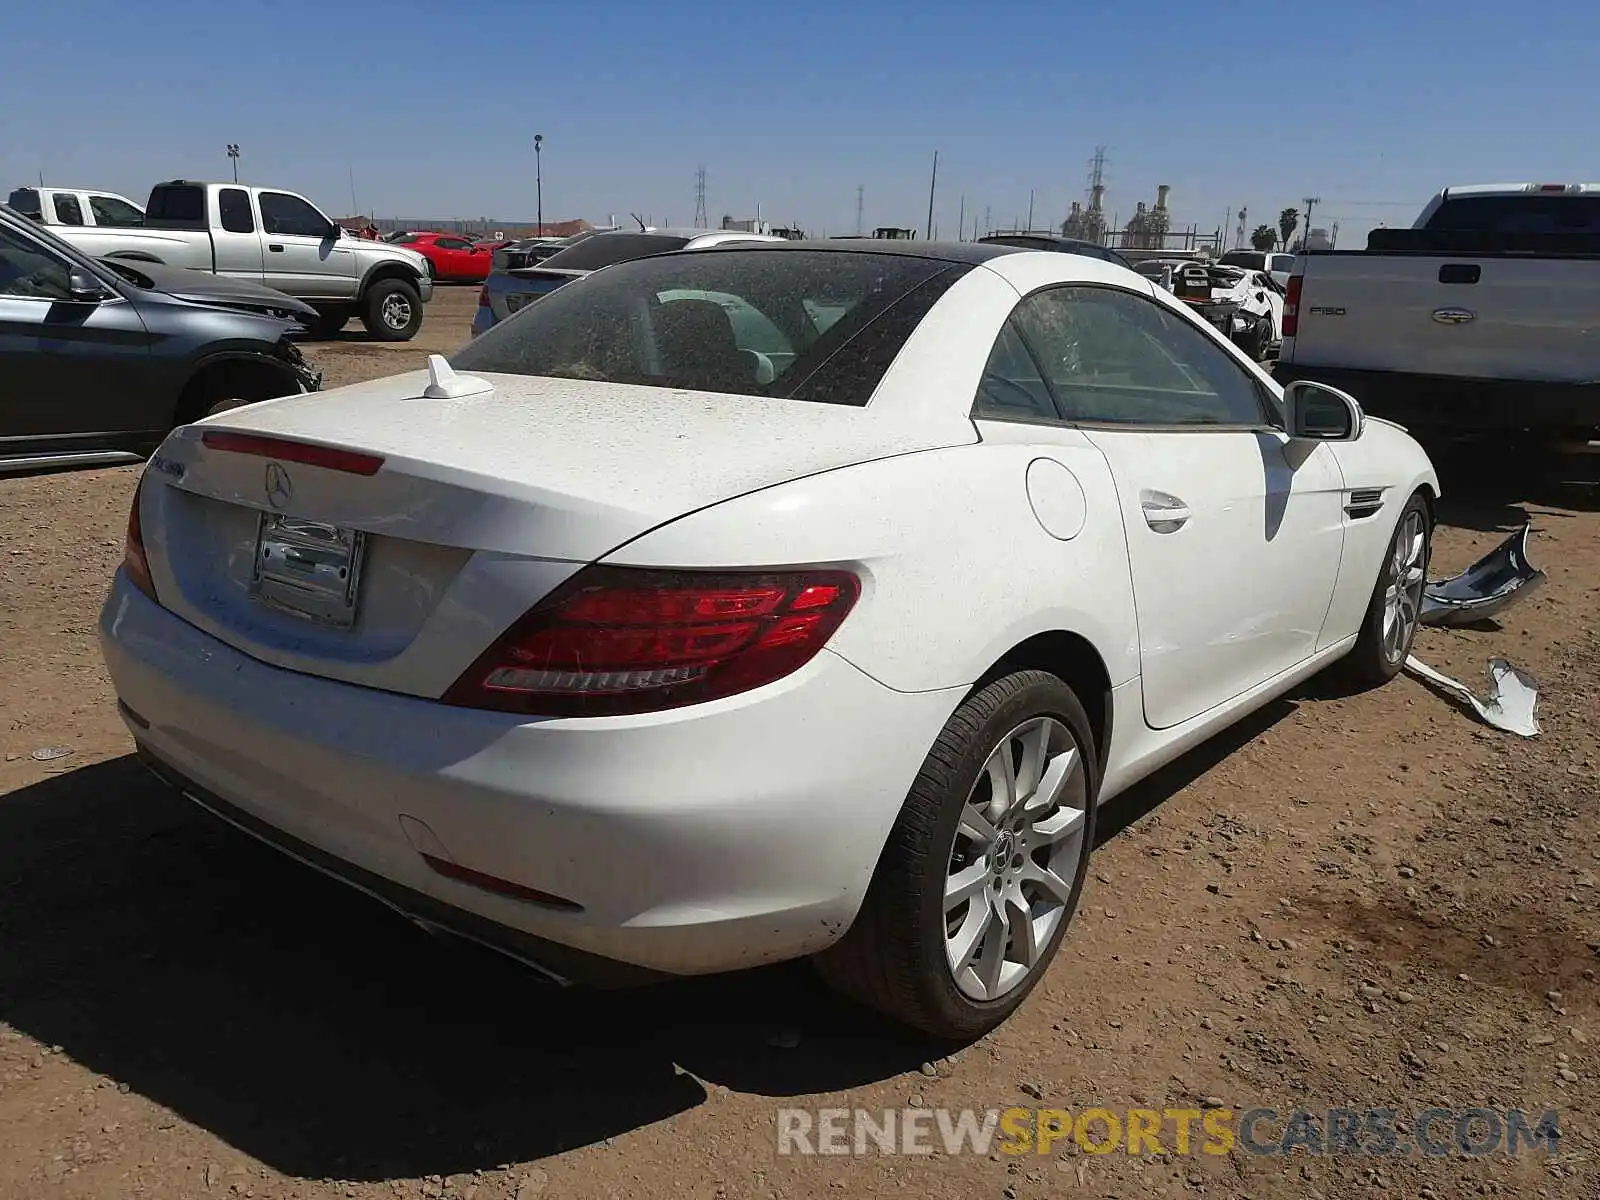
<point>451,257</point>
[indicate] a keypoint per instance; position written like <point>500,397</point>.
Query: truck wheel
<point>329,322</point>
<point>392,311</point>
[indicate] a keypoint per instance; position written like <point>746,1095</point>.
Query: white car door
<point>303,253</point>
<point>1234,531</point>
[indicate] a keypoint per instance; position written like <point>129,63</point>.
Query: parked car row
<point>267,236</point>
<point>738,599</point>
<point>101,358</point>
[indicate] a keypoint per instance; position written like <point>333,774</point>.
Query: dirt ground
<point>1352,901</point>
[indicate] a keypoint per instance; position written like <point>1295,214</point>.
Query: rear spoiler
<point>546,273</point>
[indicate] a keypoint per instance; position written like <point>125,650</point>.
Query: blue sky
<point>1372,106</point>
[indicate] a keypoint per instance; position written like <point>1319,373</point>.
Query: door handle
<point>275,247</point>
<point>1163,512</point>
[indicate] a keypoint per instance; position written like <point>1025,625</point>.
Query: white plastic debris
<point>1511,700</point>
<point>51,753</point>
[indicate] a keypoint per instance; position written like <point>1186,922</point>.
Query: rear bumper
<point>704,839</point>
<point>1477,405</point>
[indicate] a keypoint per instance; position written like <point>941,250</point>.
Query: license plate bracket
<point>308,569</point>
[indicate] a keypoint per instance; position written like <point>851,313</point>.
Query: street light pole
<point>233,156</point>
<point>538,179</point>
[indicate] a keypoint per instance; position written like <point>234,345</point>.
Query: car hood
<point>222,291</point>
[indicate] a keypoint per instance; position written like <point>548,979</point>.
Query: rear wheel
<point>392,311</point>
<point>984,866</point>
<point>1394,614</point>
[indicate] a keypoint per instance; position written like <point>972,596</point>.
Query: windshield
<point>1253,259</point>
<point>749,322</point>
<point>1519,214</point>
<point>603,250</point>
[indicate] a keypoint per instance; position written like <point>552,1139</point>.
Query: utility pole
<point>355,209</point>
<point>701,221</point>
<point>1030,210</point>
<point>961,221</point>
<point>932,181</point>
<point>538,180</point>
<point>988,224</point>
<point>1305,238</point>
<point>233,156</point>
<point>861,204</point>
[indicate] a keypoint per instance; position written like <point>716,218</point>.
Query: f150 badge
<point>1453,316</point>
<point>1319,311</point>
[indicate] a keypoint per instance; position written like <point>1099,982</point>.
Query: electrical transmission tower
<point>700,220</point>
<point>861,204</point>
<point>1094,219</point>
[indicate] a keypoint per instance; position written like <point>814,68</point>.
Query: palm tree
<point>1263,238</point>
<point>1287,220</point>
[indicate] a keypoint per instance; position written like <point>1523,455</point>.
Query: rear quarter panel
<point>175,248</point>
<point>956,569</point>
<point>1531,318</point>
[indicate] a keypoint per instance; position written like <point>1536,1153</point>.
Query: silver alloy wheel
<point>1402,595</point>
<point>1015,858</point>
<point>396,311</point>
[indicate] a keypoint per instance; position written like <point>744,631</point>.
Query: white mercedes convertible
<point>754,603</point>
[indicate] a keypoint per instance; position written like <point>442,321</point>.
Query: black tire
<point>329,323</point>
<point>1377,658</point>
<point>1262,341</point>
<point>893,958</point>
<point>392,311</point>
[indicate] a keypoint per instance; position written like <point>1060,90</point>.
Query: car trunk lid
<point>473,507</point>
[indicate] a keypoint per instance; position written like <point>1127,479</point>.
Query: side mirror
<point>84,288</point>
<point>1317,412</point>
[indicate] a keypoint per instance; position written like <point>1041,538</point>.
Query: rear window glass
<point>179,204</point>
<point>1255,260</point>
<point>26,202</point>
<point>749,322</point>
<point>1519,214</point>
<point>593,253</point>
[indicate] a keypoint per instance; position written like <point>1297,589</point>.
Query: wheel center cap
<point>1005,845</point>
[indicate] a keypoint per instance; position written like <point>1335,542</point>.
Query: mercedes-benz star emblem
<point>280,490</point>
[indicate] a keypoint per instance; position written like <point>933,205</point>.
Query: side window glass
<point>28,270</point>
<point>112,211</point>
<point>68,210</point>
<point>290,216</point>
<point>1011,388</point>
<point>233,205</point>
<point>1116,358</point>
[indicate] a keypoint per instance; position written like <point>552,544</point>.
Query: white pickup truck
<point>1482,318</point>
<point>58,207</point>
<point>277,238</point>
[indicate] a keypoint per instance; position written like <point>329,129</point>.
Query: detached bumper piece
<point>1510,704</point>
<point>1490,585</point>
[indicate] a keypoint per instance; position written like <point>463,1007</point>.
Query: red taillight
<point>624,640</point>
<point>483,296</point>
<point>1291,305</point>
<point>351,462</point>
<point>134,563</point>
